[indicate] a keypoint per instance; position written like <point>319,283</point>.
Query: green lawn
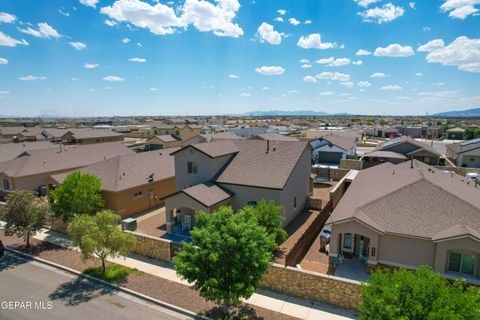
<point>113,273</point>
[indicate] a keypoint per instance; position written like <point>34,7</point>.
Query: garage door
<point>329,157</point>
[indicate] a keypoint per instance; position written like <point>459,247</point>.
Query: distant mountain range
<point>287,113</point>
<point>475,112</point>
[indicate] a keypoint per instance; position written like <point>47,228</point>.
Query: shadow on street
<point>78,291</point>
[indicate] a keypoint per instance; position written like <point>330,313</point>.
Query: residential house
<point>179,132</point>
<point>132,182</point>
<point>412,148</point>
<point>247,131</point>
<point>237,173</point>
<point>9,151</point>
<point>29,170</point>
<point>465,154</point>
<point>376,157</point>
<point>208,137</point>
<point>333,148</point>
<point>454,133</point>
<point>163,142</point>
<point>408,215</point>
<point>82,136</point>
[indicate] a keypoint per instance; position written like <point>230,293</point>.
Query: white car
<point>472,176</point>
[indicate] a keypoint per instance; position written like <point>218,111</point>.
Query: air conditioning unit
<point>129,224</point>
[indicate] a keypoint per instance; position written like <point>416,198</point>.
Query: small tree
<point>25,214</point>
<point>78,193</point>
<point>99,237</point>
<point>268,215</point>
<point>227,256</point>
<point>419,294</point>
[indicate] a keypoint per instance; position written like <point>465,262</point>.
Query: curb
<point>108,284</point>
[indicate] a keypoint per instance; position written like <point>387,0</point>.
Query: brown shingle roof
<point>405,139</point>
<point>167,138</point>
<point>130,170</point>
<point>71,157</point>
<point>385,154</point>
<point>227,135</point>
<point>214,149</point>
<point>421,202</point>
<point>10,151</point>
<point>275,137</point>
<point>253,166</point>
<point>344,142</point>
<point>464,146</point>
<point>207,194</point>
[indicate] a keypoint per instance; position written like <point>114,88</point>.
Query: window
<point>6,184</point>
<point>462,263</point>
<point>294,202</point>
<point>192,167</point>
<point>347,241</point>
<point>137,194</point>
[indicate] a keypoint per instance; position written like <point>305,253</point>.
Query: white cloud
<point>380,15</point>
<point>233,76</point>
<point>365,3</point>
<point>281,12</point>
<point>463,53</point>
<point>245,94</point>
<point>431,45</point>
<point>362,52</point>
<point>64,13</point>
<point>307,21</point>
<point>206,16</point>
<point>447,94</point>
<point>427,29</point>
<point>75,79</point>
<point>110,23</point>
<point>379,75</point>
<point>125,40</point>
<point>270,70</point>
<point>89,3</point>
<point>32,78</point>
<point>364,84</point>
<point>78,45</point>
<point>278,19</point>
<point>418,74</point>
<point>305,66</point>
<point>394,50</point>
<point>3,61</point>
<point>4,93</point>
<point>303,61</point>
<point>153,89</point>
<point>266,33</point>
<point>332,62</point>
<point>310,79</point>
<point>412,5</point>
<point>136,59</point>
<point>90,65</point>
<point>265,88</point>
<point>161,19</point>
<point>347,84</point>
<point>460,9</point>
<point>391,88</point>
<point>326,93</point>
<point>314,41</point>
<point>7,41</point>
<point>357,63</point>
<point>7,17</point>
<point>44,31</point>
<point>337,76</point>
<point>294,21</point>
<point>113,78</point>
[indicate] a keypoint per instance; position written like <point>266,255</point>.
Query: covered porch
<point>182,206</point>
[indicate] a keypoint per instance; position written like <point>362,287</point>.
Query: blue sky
<point>145,57</point>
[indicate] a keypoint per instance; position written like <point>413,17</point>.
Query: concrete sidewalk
<point>282,303</point>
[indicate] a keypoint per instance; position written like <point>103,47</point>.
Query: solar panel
<point>466,143</point>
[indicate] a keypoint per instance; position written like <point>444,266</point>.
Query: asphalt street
<point>31,290</point>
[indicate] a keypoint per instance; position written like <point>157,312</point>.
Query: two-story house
<point>238,173</point>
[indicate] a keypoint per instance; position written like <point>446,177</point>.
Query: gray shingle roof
<point>207,194</point>
<point>10,151</point>
<point>275,137</point>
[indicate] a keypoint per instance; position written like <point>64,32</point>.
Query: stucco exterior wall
<point>465,245</point>
<point>469,159</point>
<point>405,251</point>
<point>207,167</point>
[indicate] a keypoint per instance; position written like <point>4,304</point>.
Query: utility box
<point>129,224</point>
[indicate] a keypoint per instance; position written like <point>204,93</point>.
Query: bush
<point>113,273</point>
<point>419,294</point>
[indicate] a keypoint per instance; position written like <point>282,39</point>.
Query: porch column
<point>170,222</point>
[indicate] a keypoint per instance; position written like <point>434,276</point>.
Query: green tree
<point>79,193</point>
<point>98,236</point>
<point>25,214</point>
<point>419,294</point>
<point>471,133</point>
<point>227,256</point>
<point>268,215</point>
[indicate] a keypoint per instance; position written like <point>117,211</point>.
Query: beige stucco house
<point>237,173</point>
<point>407,215</point>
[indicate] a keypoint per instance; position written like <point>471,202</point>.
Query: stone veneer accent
<point>319,287</point>
<point>351,164</point>
<point>152,247</point>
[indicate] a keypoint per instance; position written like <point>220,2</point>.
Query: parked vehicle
<point>472,176</point>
